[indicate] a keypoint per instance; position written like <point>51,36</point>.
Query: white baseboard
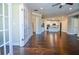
<point>39,32</point>
<point>26,40</point>
<point>71,33</point>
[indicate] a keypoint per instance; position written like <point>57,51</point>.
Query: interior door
<point>1,30</point>
<point>4,29</point>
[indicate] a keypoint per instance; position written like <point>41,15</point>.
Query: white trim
<point>26,40</point>
<point>4,31</point>
<point>36,14</point>
<point>21,22</point>
<point>10,28</point>
<point>70,33</point>
<point>75,13</point>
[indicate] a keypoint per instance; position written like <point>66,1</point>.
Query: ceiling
<point>50,11</point>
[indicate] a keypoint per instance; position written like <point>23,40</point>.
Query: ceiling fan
<point>61,4</point>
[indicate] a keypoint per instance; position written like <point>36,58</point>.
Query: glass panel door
<point>6,20</point>
<point>1,25</point>
<point>1,38</point>
<point>6,9</point>
<point>7,48</point>
<point>1,30</point>
<point>4,29</point>
<point>2,50</point>
<point>1,9</point>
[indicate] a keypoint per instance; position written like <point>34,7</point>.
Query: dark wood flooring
<point>50,44</point>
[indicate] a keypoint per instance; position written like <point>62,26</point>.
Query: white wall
<point>15,24</point>
<point>34,23</point>
<point>27,24</point>
<point>38,25</point>
<point>65,24</point>
<point>37,21</point>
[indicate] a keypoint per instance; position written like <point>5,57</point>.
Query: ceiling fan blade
<point>56,4</point>
<point>60,6</point>
<point>69,3</point>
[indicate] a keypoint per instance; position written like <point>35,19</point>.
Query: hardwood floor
<point>50,44</point>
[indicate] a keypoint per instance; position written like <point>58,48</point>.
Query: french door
<point>5,43</point>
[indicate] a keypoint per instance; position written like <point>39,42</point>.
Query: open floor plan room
<point>39,28</point>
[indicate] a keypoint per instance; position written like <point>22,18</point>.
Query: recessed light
<point>70,8</point>
<point>41,8</point>
<point>62,3</point>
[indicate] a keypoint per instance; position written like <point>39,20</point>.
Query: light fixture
<point>70,8</point>
<point>41,8</point>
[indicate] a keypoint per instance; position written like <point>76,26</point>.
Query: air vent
<point>35,10</point>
